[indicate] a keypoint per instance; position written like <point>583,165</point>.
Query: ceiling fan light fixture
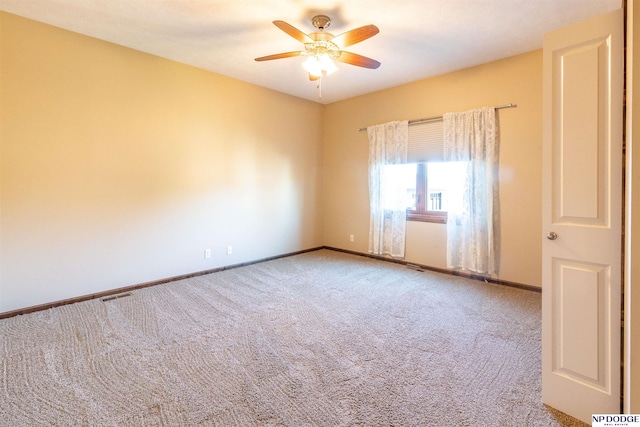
<point>322,48</point>
<point>319,65</point>
<point>327,65</point>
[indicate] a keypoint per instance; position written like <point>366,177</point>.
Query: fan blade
<point>279,56</point>
<point>293,32</point>
<point>355,36</point>
<point>359,60</point>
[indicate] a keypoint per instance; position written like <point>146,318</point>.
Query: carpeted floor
<point>317,339</point>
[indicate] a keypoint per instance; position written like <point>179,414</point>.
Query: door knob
<point>552,235</point>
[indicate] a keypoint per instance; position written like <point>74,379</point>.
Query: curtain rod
<point>437,118</point>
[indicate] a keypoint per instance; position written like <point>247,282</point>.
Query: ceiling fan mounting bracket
<point>321,22</point>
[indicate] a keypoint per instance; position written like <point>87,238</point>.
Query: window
<point>399,182</point>
<point>429,189</point>
<point>435,186</point>
<point>428,186</point>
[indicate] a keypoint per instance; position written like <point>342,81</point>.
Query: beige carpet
<point>318,339</point>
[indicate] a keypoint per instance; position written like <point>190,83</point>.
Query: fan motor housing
<point>321,36</point>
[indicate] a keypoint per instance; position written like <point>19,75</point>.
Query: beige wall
<point>119,167</point>
<point>513,80</point>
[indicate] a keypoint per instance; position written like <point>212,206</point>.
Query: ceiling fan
<point>322,48</point>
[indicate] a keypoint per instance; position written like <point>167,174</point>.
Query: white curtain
<point>472,137</point>
<point>388,211</point>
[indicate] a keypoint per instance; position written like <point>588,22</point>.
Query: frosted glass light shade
<point>319,65</point>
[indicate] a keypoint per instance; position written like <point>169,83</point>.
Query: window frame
<point>421,213</point>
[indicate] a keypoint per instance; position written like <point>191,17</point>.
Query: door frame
<point>631,258</point>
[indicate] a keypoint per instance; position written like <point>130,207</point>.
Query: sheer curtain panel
<point>388,210</point>
<point>472,137</point>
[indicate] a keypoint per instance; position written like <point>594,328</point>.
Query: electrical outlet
<point>207,253</point>
<point>352,238</point>
<point>229,250</point>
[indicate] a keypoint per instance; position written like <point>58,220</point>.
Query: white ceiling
<point>418,38</point>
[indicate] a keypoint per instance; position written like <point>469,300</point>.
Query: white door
<point>582,216</point>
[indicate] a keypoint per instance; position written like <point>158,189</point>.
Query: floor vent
<point>414,267</point>
<point>112,297</point>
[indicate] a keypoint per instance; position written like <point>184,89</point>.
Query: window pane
<point>399,186</point>
<point>445,183</point>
